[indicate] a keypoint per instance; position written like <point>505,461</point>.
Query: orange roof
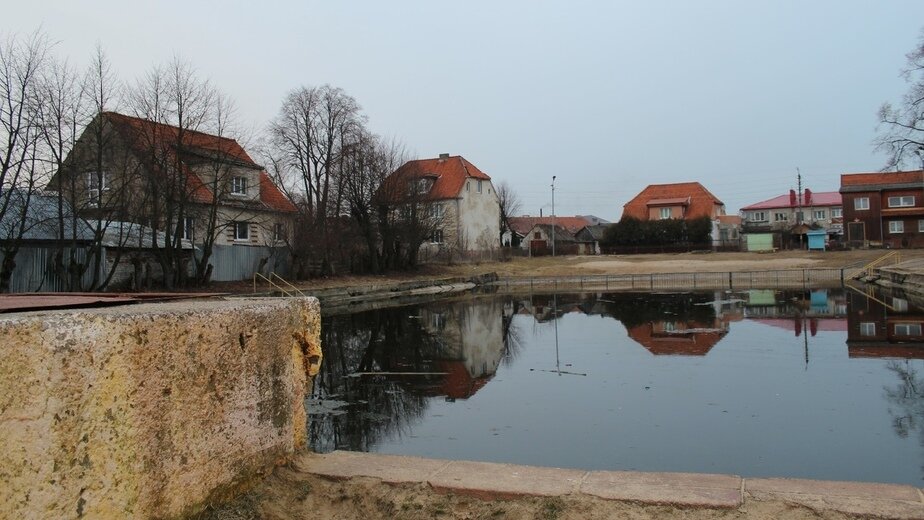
<point>697,343</point>
<point>141,133</point>
<point>449,175</point>
<point>734,220</point>
<point>881,178</point>
<point>522,225</point>
<point>701,201</point>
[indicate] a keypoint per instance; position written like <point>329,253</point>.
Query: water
<point>811,384</point>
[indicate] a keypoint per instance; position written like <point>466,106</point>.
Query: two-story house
<point>461,202</point>
<point>682,200</point>
<point>884,208</point>
<point>200,187</point>
<point>784,213</point>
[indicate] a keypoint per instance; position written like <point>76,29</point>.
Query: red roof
<point>694,343</point>
<point>820,198</point>
<point>448,173</point>
<point>734,220</point>
<point>522,225</point>
<point>142,133</point>
<point>701,201</point>
<point>873,179</point>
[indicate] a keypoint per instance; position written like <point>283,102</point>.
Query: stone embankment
<point>907,275</point>
<point>150,410</point>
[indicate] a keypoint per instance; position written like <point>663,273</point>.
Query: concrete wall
<point>149,411</point>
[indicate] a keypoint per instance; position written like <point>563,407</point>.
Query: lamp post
<point>553,216</point>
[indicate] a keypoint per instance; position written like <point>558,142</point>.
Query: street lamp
<point>553,216</point>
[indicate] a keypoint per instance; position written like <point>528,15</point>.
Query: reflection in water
<point>465,378</point>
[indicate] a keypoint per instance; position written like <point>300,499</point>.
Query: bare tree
<point>310,138</point>
<point>179,104</point>
<point>21,64</point>
<point>509,206</point>
<point>902,126</point>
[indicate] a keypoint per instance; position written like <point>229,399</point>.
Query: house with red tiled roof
<point>884,209</point>
<point>822,209</point>
<point>522,228</point>
<point>226,198</point>
<point>459,195</point>
<point>681,200</point>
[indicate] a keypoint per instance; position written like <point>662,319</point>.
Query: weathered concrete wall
<point>148,411</point>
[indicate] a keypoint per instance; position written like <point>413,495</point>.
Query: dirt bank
<point>291,495</point>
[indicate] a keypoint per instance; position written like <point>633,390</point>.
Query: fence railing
<point>789,278</point>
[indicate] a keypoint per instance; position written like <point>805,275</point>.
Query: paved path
<point>503,481</point>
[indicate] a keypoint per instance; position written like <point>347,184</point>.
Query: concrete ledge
<point>682,490</point>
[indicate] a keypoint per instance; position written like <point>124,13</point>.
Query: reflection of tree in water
<point>908,400</point>
<point>417,339</point>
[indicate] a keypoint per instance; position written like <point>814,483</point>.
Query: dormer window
<point>97,182</point>
<point>238,185</point>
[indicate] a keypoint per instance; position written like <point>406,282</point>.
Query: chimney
<point>444,156</point>
<point>540,212</point>
<point>792,198</point>
<point>808,197</point>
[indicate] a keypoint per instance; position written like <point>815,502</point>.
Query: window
<point>241,230</point>
<point>279,232</point>
<point>896,226</point>
<point>921,226</point>
<point>537,235</point>
<point>836,213</point>
<point>97,183</point>
<point>479,186</point>
<point>780,217</point>
<point>238,185</point>
<point>819,214</point>
<point>189,226</point>
<point>438,320</point>
<point>436,210</point>
<point>861,203</point>
<point>468,186</point>
<point>868,328</point>
<point>665,213</point>
<point>900,304</point>
<point>901,202</point>
<point>437,236</point>
<point>907,329</point>
<point>759,216</point>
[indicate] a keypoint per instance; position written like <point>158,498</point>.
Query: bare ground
<point>291,495</point>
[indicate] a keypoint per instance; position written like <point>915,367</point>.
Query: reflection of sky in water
<point>749,404</point>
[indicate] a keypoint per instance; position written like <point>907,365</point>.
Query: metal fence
<point>793,278</point>
<point>232,263</point>
<point>35,269</point>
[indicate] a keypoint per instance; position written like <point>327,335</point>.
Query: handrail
<point>287,292</point>
<point>893,255</point>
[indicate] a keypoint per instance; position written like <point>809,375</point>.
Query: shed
<point>759,241</point>
<point>816,239</point>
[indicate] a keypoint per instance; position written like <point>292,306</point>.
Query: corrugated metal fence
<point>35,270</point>
<point>688,281</point>
<point>231,263</point>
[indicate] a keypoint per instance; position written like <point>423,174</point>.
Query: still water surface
<point>813,384</point>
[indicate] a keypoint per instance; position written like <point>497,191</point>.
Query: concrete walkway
<point>692,490</point>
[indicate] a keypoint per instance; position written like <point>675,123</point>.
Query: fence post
<point>730,286</point>
<point>842,276</point>
<point>803,279</point>
<point>607,281</point>
<point>651,281</point>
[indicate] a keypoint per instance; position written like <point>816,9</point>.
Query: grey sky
<point>608,96</point>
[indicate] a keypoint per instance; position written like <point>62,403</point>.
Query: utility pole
<point>799,211</point>
<point>553,217</point>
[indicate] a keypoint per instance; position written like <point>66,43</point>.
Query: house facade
<point>195,186</point>
<point>884,209</point>
<point>683,200</point>
<point>521,226</point>
<point>822,209</point>
<point>461,200</point>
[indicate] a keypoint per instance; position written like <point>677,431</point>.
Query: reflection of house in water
<point>881,325</point>
<point>683,337</point>
<point>797,311</point>
<point>469,336</point>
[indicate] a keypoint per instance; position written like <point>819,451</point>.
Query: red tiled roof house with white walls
<point>682,200</point>
<point>251,210</point>
<point>781,213</point>
<point>884,208</point>
<point>463,198</point>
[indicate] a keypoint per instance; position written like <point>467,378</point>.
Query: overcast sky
<point>608,96</point>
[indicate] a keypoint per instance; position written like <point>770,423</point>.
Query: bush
<point>631,231</point>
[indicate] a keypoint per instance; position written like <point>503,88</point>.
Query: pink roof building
<point>782,212</point>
